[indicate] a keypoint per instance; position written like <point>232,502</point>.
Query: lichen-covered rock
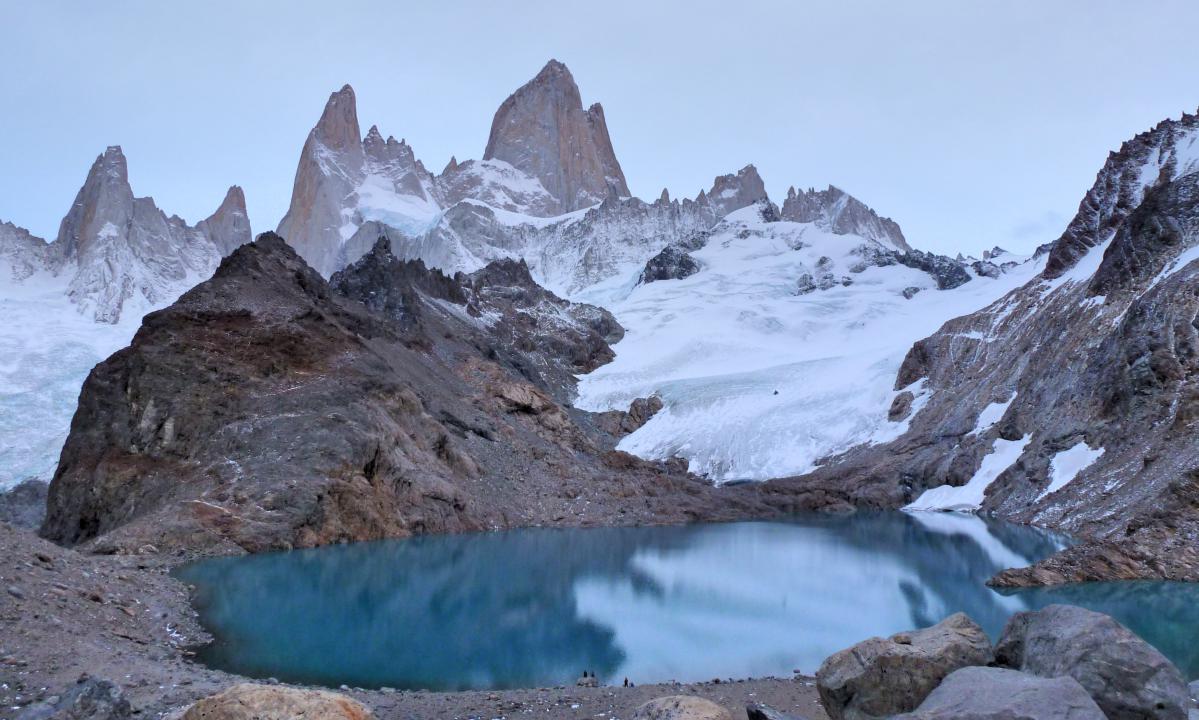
<point>681,707</point>
<point>881,677</point>
<point>985,693</point>
<point>248,701</point>
<point>1125,675</point>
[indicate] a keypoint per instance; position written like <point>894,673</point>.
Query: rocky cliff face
<point>229,227</point>
<point>267,409</point>
<point>839,212</point>
<point>543,130</point>
<point>21,253</point>
<point>1072,401</point>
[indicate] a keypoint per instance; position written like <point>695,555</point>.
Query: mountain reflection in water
<point>536,607</point>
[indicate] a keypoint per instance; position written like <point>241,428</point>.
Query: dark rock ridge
<point>543,130</point>
<point>1098,357</point>
<point>266,409</point>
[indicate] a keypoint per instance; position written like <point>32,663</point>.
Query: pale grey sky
<point>970,123</point>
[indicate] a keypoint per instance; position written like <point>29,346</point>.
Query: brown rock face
<point>248,701</point>
<point>543,130</point>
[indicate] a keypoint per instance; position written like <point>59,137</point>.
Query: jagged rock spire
<point>735,191</point>
<point>103,205</point>
<point>229,227</point>
<point>841,213</point>
<point>543,130</point>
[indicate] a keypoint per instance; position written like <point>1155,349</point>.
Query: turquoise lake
<point>537,607</point>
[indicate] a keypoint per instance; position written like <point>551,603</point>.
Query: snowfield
<point>758,380</point>
<point>47,348</point>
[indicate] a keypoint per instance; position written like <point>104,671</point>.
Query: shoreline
<point>125,618</point>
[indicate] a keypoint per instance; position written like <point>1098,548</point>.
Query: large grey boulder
<point>882,677</point>
<point>985,693</point>
<point>249,701</point>
<point>1127,676</point>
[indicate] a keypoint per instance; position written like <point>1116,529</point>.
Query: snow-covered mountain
<point>750,298</point>
<point>1073,400</point>
<point>70,303</point>
<point>780,349</point>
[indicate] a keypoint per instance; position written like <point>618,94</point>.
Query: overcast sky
<point>970,123</point>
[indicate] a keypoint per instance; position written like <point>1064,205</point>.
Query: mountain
<point>1072,401</point>
<point>548,190</point>
<point>268,408</point>
<point>543,130</point>
<point>68,304</point>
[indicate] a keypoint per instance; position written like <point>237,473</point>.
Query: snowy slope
<point>761,381</point>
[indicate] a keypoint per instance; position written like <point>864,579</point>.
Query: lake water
<point>536,607</point>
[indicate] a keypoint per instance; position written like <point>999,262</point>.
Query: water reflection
<point>536,607</point>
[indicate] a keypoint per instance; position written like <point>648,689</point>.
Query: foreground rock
<point>1125,675</point>
<point>24,505</point>
<point>882,677</point>
<point>983,693</point>
<point>268,702</point>
<point>681,707</point>
<point>89,699</point>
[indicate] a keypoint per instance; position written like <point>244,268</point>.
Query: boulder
<point>274,702</point>
<point>985,693</point>
<point>1128,677</point>
<point>681,707</point>
<point>881,677</point>
<point>89,699</point>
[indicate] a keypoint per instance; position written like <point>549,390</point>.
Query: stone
<point>882,677</point>
<point>1125,675</point>
<point>24,505</point>
<point>681,707</point>
<point>985,693</point>
<point>248,701</point>
<point>587,681</point>
<point>89,699</point>
<point>762,711</point>
<point>840,213</point>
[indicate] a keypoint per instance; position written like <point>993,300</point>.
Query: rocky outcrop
<point>882,677</point>
<point>24,504</point>
<point>248,701</point>
<point>543,130</point>
<point>673,263</point>
<point>840,213</point>
<point>1151,158</point>
<point>1127,677</point>
<point>681,707</point>
<point>266,409</point>
<point>985,693</point>
<point>735,191</point>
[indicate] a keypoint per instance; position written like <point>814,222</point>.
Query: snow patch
<point>969,497</point>
<point>1066,466</point>
<point>990,415</point>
